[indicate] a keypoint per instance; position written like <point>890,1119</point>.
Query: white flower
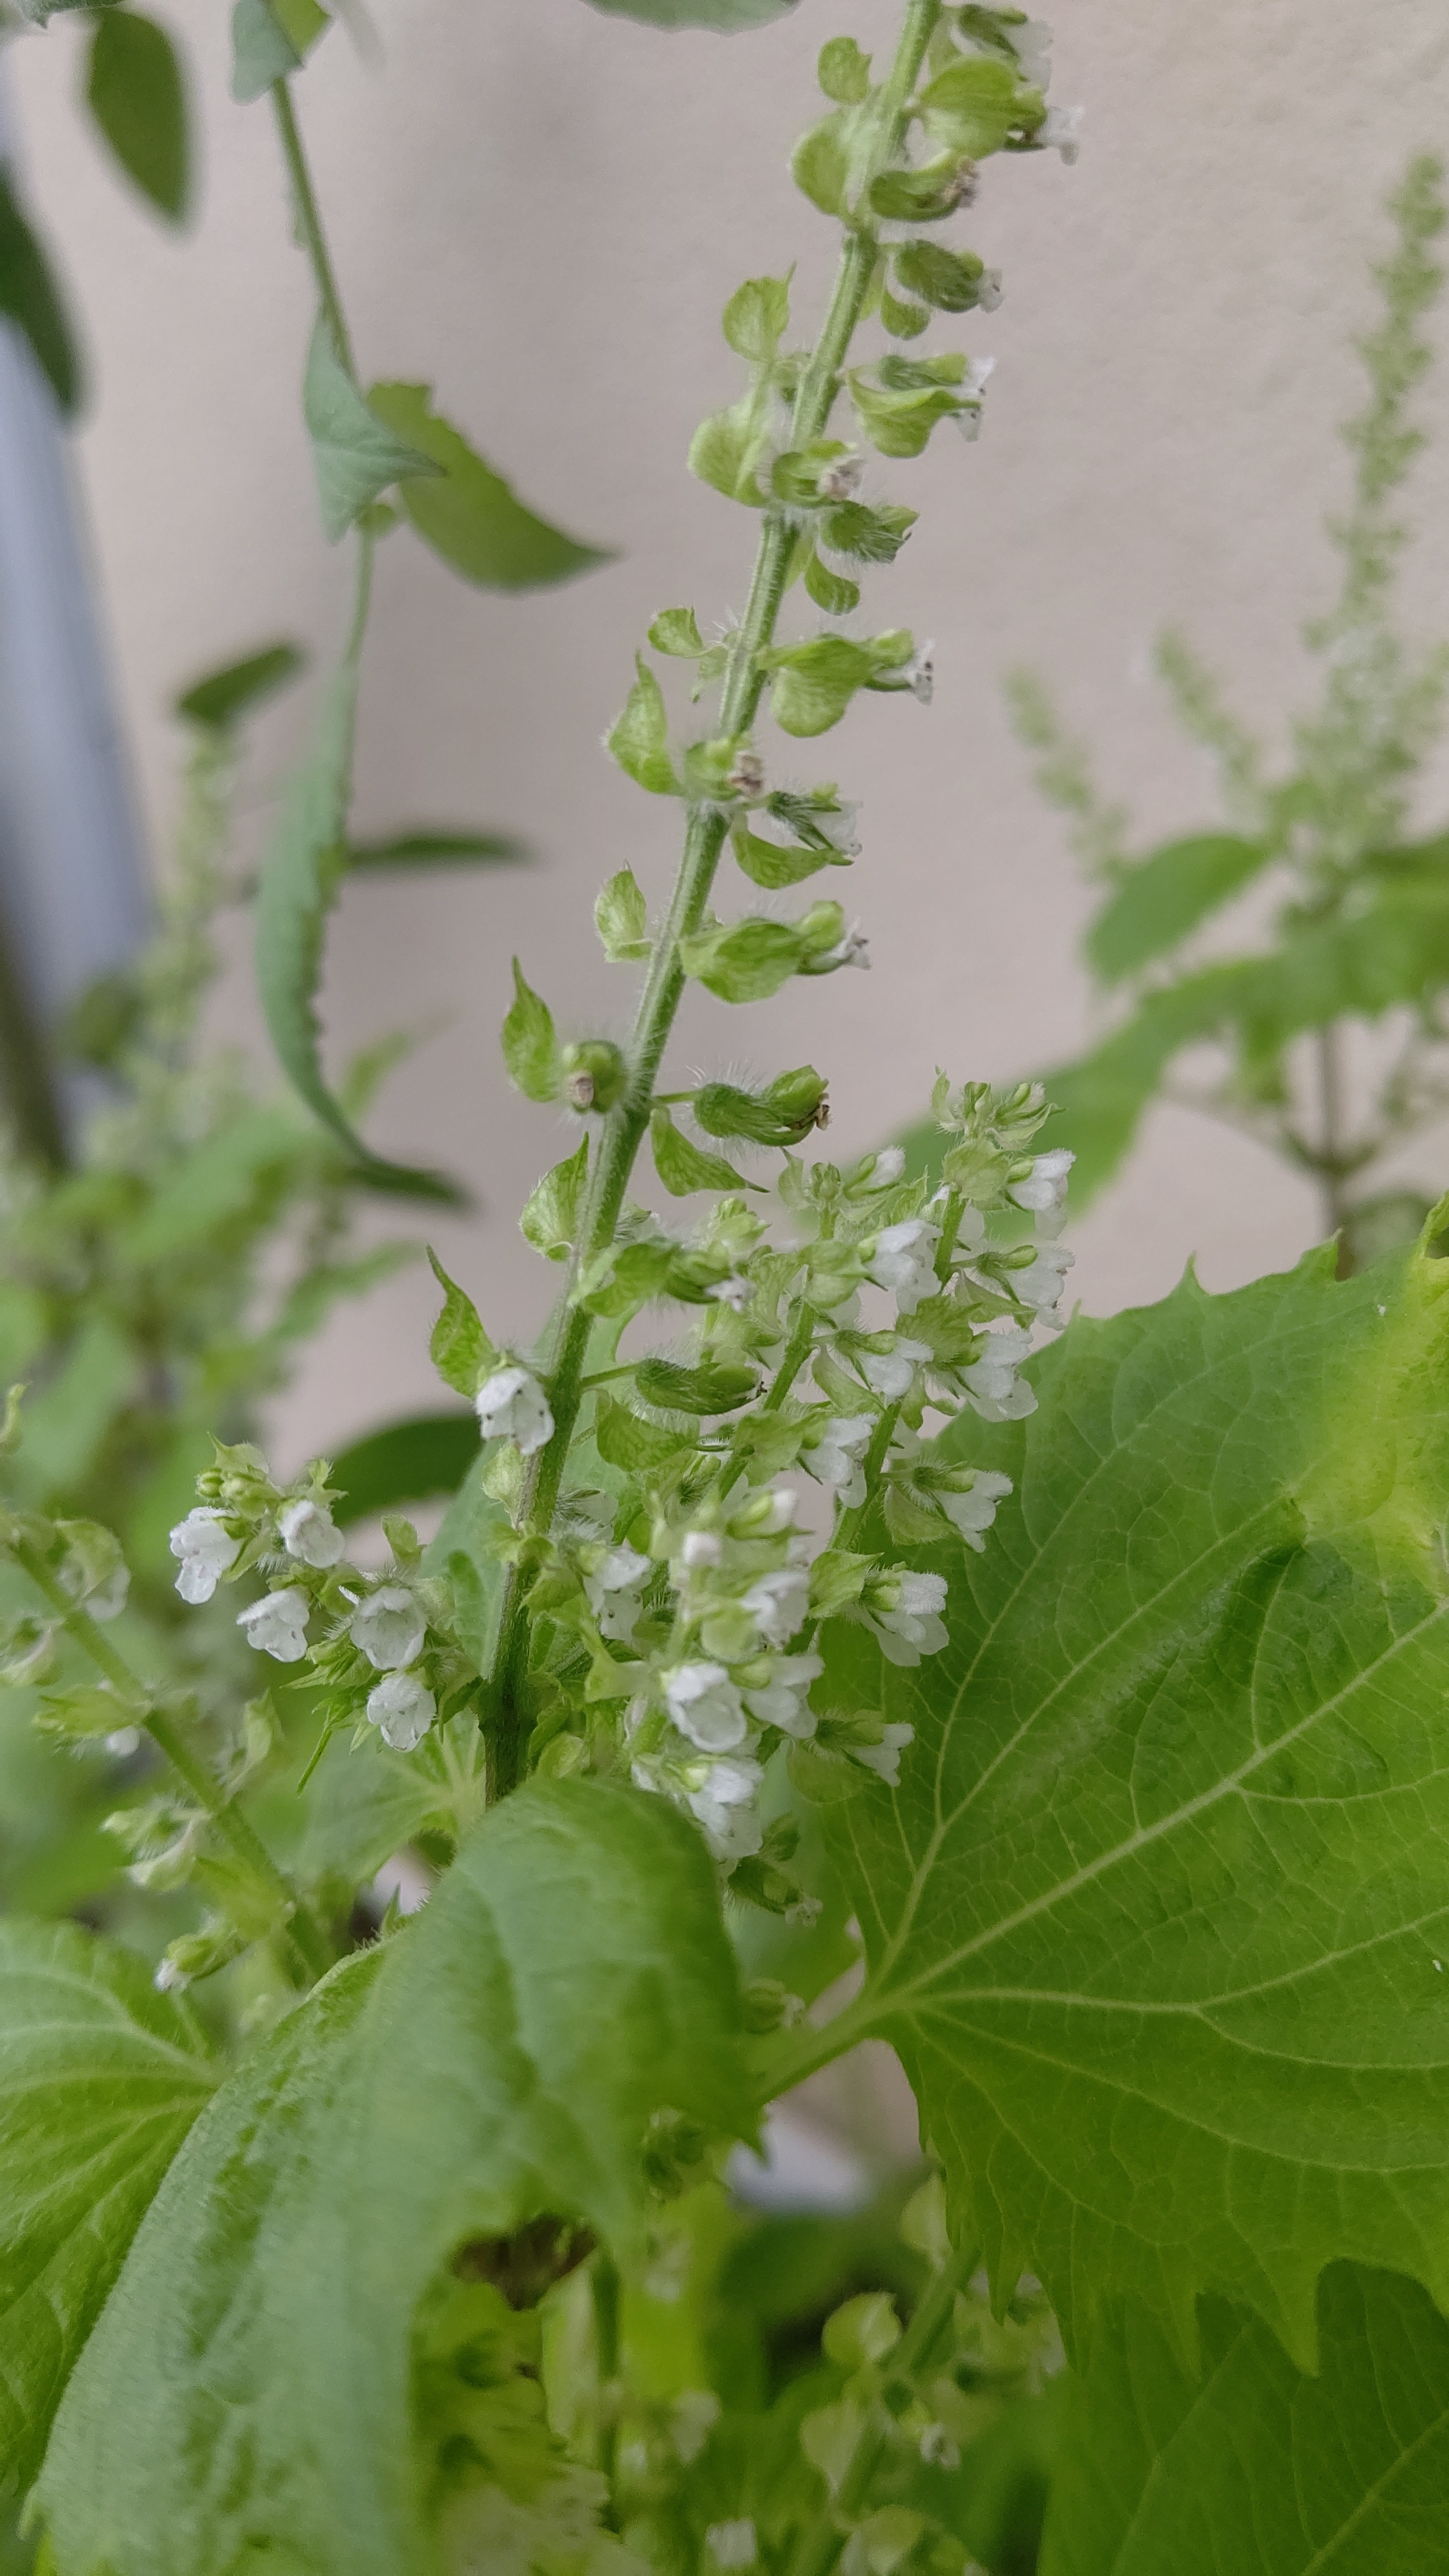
<point>734,1292</point>
<point>732,2544</point>
<point>975,1510</point>
<point>725,1807</point>
<point>693,2417</point>
<point>937,2448</point>
<point>840,479</point>
<point>388,1628</point>
<point>1041,1285</point>
<point>777,1604</point>
<point>920,675</point>
<point>277,1624</point>
<point>782,1702</point>
<point>702,1548</point>
<point>705,1706</point>
<point>511,1405</point>
<point>890,1372</point>
<point>207,1551</point>
<point>904,1260</point>
<point>837,825</point>
<point>1062,132</point>
<point>885,1758</point>
<point>613,1590</point>
<point>850,950</point>
<point>403,1709</point>
<point>886,1168</point>
<point>1044,1190</point>
<point>915,1626</point>
<point>978,376</point>
<point>835,1458</point>
<point>309,1532</point>
<point>991,1382</point>
<point>170,1977</point>
<point>989,290</point>
<point>747,778</point>
<point>109,1598</point>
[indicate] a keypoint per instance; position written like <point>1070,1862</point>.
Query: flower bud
<point>782,1114</point>
<point>595,1074</point>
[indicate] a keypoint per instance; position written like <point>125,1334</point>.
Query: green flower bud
<point>782,1114</point>
<point>595,1074</point>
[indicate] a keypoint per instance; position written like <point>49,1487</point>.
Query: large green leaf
<point>726,16</point>
<point>1159,1916</point>
<point>1160,901</point>
<point>405,1462</point>
<point>466,512</point>
<point>136,94</point>
<point>100,2079</point>
<point>297,891</point>
<point>1255,2469</point>
<point>31,298</point>
<point>248,2389</point>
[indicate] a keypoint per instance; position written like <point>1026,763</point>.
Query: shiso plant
<point>1083,1704</point>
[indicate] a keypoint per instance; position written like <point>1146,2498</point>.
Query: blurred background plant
<point>1327,1041</point>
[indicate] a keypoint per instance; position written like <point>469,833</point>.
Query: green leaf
<point>843,71</point>
<point>681,1166</point>
<point>248,2388</point>
<point>744,964</point>
<point>639,740</point>
<point>460,1349</point>
<point>725,450</point>
<point>757,317</point>
<point>100,2079</point>
<point>298,889</point>
<point>467,513</point>
<point>1154,1916</point>
<point>406,1462</point>
<point>867,535</point>
<point>220,698</point>
<point>812,684</point>
<point>227,1181</point>
<point>905,321</point>
<point>136,94</point>
<point>1163,899</point>
<point>1254,2467</point>
<point>530,1046</point>
<point>38,13</point>
<point>768,863</point>
<point>898,419</point>
<point>719,1386</point>
<point>820,164</point>
<point>830,590</point>
<point>355,453</point>
<point>621,918</point>
<point>270,40</point>
<point>67,1419</point>
<point>948,279</point>
<point>550,1219</point>
<point>973,106</point>
<point>437,849</point>
<point>676,631</point>
<point>32,299</point>
<point>726,17</point>
<point>623,1439</point>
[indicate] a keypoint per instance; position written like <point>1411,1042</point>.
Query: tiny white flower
<point>731,1783</point>
<point>778,1603</point>
<point>920,675</point>
<point>890,1372</point>
<point>1044,1190</point>
<point>613,1590</point>
<point>109,1598</point>
<point>702,1548</point>
<point>885,1758</point>
<point>170,1979</point>
<point>309,1532</point>
<point>836,1456</point>
<point>915,1626</point>
<point>850,950</point>
<point>207,1551</point>
<point>693,2416</point>
<point>840,480</point>
<point>402,1708</point>
<point>989,290</point>
<point>734,1292</point>
<point>781,1701</point>
<point>277,1624</point>
<point>837,826</point>
<point>732,2544</point>
<point>1062,132</point>
<point>975,1510</point>
<point>389,1628</point>
<point>904,1261</point>
<point>991,1381</point>
<point>706,1707</point>
<point>886,1168</point>
<point>937,2448</point>
<point>511,1405</point>
<point>747,778</point>
<point>125,1741</point>
<point>805,1913</point>
<point>1041,1285</point>
<point>732,1826</point>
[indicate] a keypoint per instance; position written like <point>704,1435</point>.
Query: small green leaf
<point>812,684</point>
<point>639,741</point>
<point>136,94</point>
<point>865,534</point>
<point>303,22</point>
<point>1161,901</point>
<point>355,453</point>
<point>681,1166</point>
<point>467,513</point>
<point>261,52</point>
<point>720,1386</point>
<point>100,2079</point>
<point>746,963</point>
<point>625,1440</point>
<point>31,298</point>
<point>757,317</point>
<point>530,1047</point>
<point>820,164</point>
<point>830,590</point>
<point>951,280</point>
<point>844,71</point>
<point>725,450</point>
<point>973,106</point>
<point>221,698</point>
<point>676,630</point>
<point>460,1349</point>
<point>904,321</point>
<point>406,1462</point>
<point>37,13</point>
<point>770,864</point>
<point>506,2054</point>
<point>898,418</point>
<point>437,849</point>
<point>550,1218</point>
<point>622,920</point>
<point>1251,2465</point>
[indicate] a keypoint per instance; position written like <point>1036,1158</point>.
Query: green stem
<point>309,222</point>
<point>607,2295</point>
<point>820,2546</point>
<point>27,1072</point>
<point>303,1933</point>
<point>628,1124</point>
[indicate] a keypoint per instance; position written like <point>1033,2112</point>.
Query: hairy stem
<point>705,831</point>
<point>304,1935</point>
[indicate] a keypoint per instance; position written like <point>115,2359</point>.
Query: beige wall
<point>543,210</point>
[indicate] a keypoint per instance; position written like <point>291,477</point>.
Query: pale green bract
<point>245,2392</point>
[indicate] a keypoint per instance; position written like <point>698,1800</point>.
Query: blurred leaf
<point>206,1191</point>
<point>466,512</point>
<point>137,96</point>
<point>30,296</point>
<point>1253,2466</point>
<point>727,17</point>
<point>407,1462</point>
<point>66,1420</point>
<point>355,453</point>
<point>37,12</point>
<point>1165,897</point>
<point>270,39</point>
<point>437,849</point>
<point>220,697</point>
